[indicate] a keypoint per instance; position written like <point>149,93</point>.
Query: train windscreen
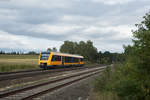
<point>44,56</point>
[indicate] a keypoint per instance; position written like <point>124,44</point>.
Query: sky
<point>39,24</point>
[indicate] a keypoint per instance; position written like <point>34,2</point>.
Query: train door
<point>63,60</point>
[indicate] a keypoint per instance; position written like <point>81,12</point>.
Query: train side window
<point>81,59</point>
<point>56,58</point>
<point>59,58</point>
<point>53,58</point>
<point>66,59</point>
<point>76,59</point>
<point>71,59</point>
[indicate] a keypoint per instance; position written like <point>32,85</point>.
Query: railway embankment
<point>51,85</point>
<point>14,79</point>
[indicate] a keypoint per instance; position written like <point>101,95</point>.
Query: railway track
<point>49,86</point>
<point>29,73</point>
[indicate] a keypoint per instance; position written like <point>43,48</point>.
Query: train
<point>57,59</point>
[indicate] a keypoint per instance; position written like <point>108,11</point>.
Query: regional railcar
<point>51,59</point>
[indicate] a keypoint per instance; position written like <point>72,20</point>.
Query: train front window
<point>45,56</point>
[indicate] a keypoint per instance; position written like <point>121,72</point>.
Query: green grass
<point>104,96</point>
<point>18,62</point>
<point>8,68</point>
<point>103,85</point>
<point>87,63</point>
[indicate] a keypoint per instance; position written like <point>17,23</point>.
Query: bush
<point>104,85</point>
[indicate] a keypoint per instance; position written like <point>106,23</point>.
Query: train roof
<point>65,54</point>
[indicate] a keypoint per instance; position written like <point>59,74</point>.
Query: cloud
<point>53,29</point>
<point>10,41</point>
<point>115,32</point>
<point>113,2</point>
<point>32,23</point>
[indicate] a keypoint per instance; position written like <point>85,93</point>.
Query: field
<point>18,62</point>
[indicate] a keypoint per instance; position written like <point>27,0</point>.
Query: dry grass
<point>2,56</point>
<point>18,62</point>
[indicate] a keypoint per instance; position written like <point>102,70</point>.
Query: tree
<point>49,49</point>
<point>2,52</point>
<point>89,52</point>
<point>142,53</point>
<point>13,52</point>
<point>134,80</point>
<point>131,80</point>
<point>32,53</point>
<point>54,49</point>
<point>85,49</point>
<point>68,47</point>
<point>92,53</point>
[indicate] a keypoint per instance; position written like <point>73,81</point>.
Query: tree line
<point>18,53</point>
<point>90,52</point>
<point>86,49</point>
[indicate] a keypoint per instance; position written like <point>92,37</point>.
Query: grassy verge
<point>103,96</point>
<point>9,68</point>
<point>103,86</point>
<point>87,63</point>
